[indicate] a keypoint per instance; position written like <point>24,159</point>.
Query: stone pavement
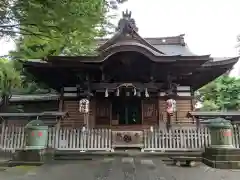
<point>125,168</point>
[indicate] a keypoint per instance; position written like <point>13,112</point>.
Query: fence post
<point>2,134</point>
<point>57,131</point>
<point>152,131</point>
<point>83,142</point>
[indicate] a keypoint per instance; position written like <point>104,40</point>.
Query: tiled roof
<point>34,97</point>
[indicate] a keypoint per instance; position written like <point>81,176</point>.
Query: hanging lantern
<point>139,94</point>
<point>84,106</point>
<point>106,92</point>
<point>117,92</point>
<point>134,92</point>
<point>171,106</point>
<point>146,93</point>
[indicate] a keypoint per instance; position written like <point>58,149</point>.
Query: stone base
<point>222,158</point>
<point>32,157</point>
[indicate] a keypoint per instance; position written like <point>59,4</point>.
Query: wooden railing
<point>177,139</point>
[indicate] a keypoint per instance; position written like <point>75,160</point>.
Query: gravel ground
<point>126,168</point>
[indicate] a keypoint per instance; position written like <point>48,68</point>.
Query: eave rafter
<point>210,71</point>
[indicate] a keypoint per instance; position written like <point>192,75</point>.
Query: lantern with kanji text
<point>171,106</point>
<point>84,106</point>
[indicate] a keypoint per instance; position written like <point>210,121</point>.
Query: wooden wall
<point>150,111</point>
<point>31,107</point>
<point>103,113</point>
<point>153,112</point>
<point>153,109</point>
<point>184,105</point>
<point>76,119</point>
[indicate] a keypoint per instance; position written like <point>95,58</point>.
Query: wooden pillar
<point>3,132</point>
<point>92,118</point>
<point>168,121</point>
<point>192,105</point>
<point>59,119</point>
<point>142,107</point>
<point>61,100</point>
<point>159,111</point>
<point>60,105</point>
<point>110,109</point>
<point>192,100</point>
<point>86,119</point>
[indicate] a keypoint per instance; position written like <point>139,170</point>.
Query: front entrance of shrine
<point>127,110</point>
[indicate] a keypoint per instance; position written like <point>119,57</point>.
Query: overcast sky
<point>210,26</point>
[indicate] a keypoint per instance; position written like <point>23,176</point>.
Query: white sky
<point>210,26</point>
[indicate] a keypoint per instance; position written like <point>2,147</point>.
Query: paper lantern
<point>84,106</point>
<point>171,106</point>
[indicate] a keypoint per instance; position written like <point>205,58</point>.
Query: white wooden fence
<point>176,139</point>
<point>75,139</point>
<point>236,136</point>
<point>13,138</point>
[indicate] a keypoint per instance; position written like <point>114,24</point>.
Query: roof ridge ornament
<point>182,41</point>
<point>126,14</point>
<point>127,24</point>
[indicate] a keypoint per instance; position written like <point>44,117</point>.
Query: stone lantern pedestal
<point>35,152</point>
<point>221,154</point>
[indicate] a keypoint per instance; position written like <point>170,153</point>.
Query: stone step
<point>222,154</point>
<point>222,157</point>
<point>222,164</point>
<point>71,154</point>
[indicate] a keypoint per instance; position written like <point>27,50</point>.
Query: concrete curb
<point>4,163</point>
<point>124,154</point>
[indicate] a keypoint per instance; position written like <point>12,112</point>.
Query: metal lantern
<point>84,106</point>
<point>171,106</point>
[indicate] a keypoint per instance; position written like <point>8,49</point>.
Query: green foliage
<point>50,27</point>
<point>53,27</point>
<point>9,79</point>
<point>221,94</point>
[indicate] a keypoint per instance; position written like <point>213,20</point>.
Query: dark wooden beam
<point>138,85</point>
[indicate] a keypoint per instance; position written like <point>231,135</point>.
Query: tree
<point>221,94</point>
<point>49,27</point>
<point>9,79</point>
<point>52,27</point>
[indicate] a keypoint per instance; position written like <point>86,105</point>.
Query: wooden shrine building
<point>130,79</point>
